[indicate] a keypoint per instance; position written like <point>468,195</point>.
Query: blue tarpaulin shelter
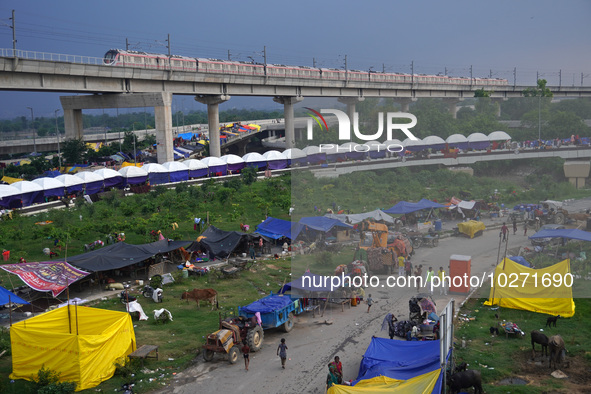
<point>520,260</point>
<point>565,233</point>
<point>400,360</point>
<point>318,223</point>
<point>7,296</point>
<point>404,207</point>
<point>276,228</point>
<point>307,282</point>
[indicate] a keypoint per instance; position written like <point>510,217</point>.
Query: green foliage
<point>482,93</point>
<point>539,91</point>
<point>5,341</point>
<point>126,367</point>
<point>325,258</point>
<point>248,175</point>
<point>47,382</point>
<point>74,151</point>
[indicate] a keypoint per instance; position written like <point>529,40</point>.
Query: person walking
<point>369,303</point>
<point>392,326</point>
<point>418,277</point>
<point>408,267</point>
<point>246,354</point>
<point>514,226</point>
<point>441,276</point>
<point>429,280</point>
<point>282,352</point>
<point>525,229</point>
<point>504,231</point>
<point>401,265</point>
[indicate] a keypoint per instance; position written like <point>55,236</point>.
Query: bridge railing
<point>55,57</point>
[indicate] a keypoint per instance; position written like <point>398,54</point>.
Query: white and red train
<point>119,57</point>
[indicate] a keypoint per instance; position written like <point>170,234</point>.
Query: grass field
<point>499,357</point>
<point>180,340</point>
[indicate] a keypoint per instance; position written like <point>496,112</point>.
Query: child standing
<point>369,303</point>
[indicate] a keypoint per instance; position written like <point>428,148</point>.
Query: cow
<point>465,379</point>
<point>556,345</point>
<point>542,339</point>
<point>201,294</point>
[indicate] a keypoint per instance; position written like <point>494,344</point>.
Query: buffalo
<point>556,344</point>
<point>465,379</point>
<point>542,339</point>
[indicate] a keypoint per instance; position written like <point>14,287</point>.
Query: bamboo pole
<point>76,309</point>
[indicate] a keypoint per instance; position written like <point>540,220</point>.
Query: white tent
<point>154,168</point>
<point>27,187</point>
<point>499,136</point>
<point>132,172</point>
<point>212,161</point>
<point>275,159</point>
<point>49,183</point>
<point>294,153</point>
<point>107,173</point>
<point>8,190</point>
<point>232,159</point>
<point>69,180</point>
<point>195,164</point>
<point>311,150</point>
<point>413,145</point>
<point>89,176</point>
<point>457,141</point>
<point>434,142</point>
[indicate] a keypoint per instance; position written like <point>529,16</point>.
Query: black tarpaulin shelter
<point>219,243</point>
<point>121,255</point>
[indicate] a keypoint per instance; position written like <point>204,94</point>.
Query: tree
<point>74,151</point>
<point>540,91</point>
<point>482,93</point>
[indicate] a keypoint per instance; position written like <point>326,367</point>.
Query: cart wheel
<point>288,325</point>
<point>208,355</point>
<point>255,339</point>
<point>435,242</point>
<point>233,354</point>
<point>417,243</point>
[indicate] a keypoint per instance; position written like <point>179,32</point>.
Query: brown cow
<point>201,294</point>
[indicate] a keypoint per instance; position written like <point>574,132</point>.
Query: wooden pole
<point>9,311</point>
<point>76,309</point>
<point>68,306</point>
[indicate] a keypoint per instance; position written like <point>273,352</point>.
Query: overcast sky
<point>497,35</point>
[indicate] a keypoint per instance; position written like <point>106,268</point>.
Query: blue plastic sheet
<point>268,304</point>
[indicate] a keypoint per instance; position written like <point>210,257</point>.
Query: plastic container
<point>185,273</point>
<point>438,225</point>
<point>6,255</point>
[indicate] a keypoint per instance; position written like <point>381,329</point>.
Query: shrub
<point>47,382</point>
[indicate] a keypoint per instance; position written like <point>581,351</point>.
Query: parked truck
<point>276,310</point>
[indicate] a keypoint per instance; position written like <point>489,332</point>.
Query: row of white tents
<point>24,193</point>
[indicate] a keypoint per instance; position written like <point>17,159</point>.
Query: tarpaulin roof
<point>471,227</point>
<point>319,223</point>
<point>399,360</point>
<point>520,260</point>
<point>429,382</point>
<point>564,233</point>
<point>268,304</point>
<point>219,243</point>
<point>404,207</point>
<point>276,228</point>
<point>121,255</point>
<point>54,276</point>
<point>532,294</point>
<point>7,296</point>
<point>308,282</point>
<point>354,218</point>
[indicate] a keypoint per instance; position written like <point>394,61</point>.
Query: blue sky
<point>498,35</point>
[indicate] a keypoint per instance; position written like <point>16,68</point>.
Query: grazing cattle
<point>556,344</point>
<point>461,367</point>
<point>201,294</point>
<point>465,379</point>
<point>552,321</point>
<point>542,339</point>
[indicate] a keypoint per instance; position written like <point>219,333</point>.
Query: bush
<point>325,258</point>
<point>47,382</point>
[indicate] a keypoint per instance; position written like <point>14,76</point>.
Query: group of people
<point>281,352</point>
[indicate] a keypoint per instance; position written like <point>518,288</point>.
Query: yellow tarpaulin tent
<point>10,180</point>
<point>538,290</point>
<point>382,384</point>
<point>128,164</point>
<point>82,346</point>
<point>471,227</point>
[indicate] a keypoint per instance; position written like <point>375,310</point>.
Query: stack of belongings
<point>402,327</point>
<point>414,309</point>
<point>512,328</point>
<point>378,257</point>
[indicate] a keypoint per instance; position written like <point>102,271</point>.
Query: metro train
<point>126,58</point>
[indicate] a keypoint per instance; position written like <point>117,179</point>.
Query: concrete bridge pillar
<point>351,101</point>
<point>213,120</point>
<point>288,102</point>
<point>404,102</point>
<point>73,124</point>
<point>161,102</point>
<point>497,101</point>
<point>577,172</point>
<point>452,105</point>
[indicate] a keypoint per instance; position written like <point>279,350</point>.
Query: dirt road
<point>313,344</point>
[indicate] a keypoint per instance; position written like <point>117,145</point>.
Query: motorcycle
<point>150,292</point>
<point>124,297</point>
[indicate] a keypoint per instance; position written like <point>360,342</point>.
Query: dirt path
<point>313,344</point>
